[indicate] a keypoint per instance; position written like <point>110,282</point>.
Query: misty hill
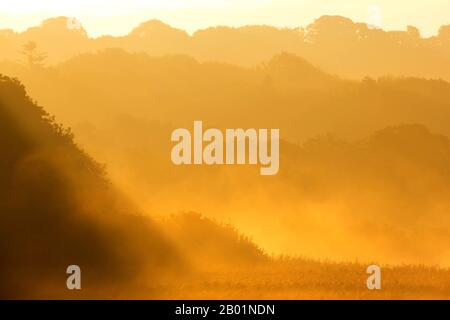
<point>212,245</point>
<point>336,44</point>
<point>385,190</point>
<point>124,106</point>
<point>285,92</point>
<point>57,208</point>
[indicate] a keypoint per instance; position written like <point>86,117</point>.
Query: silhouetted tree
<point>34,58</point>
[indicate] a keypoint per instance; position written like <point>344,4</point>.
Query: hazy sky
<point>120,16</point>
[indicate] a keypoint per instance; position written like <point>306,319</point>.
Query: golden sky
<point>118,17</point>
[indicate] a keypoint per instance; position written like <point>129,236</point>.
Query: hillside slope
<point>57,208</point>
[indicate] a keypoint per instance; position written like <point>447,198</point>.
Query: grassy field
<point>299,279</point>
